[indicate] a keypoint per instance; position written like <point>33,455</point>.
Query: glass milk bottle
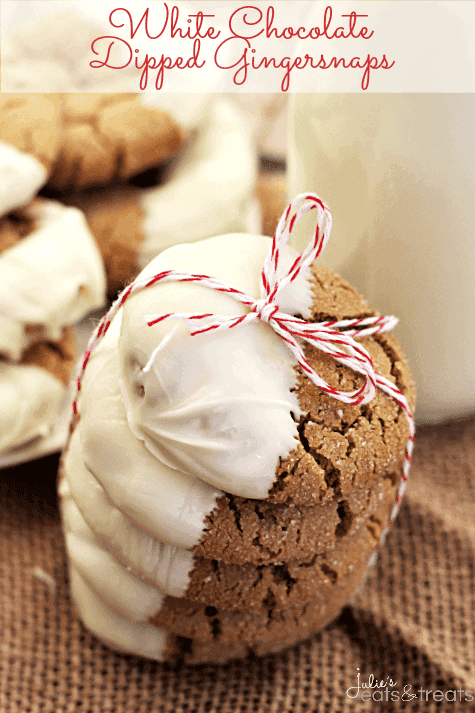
<point>398,173</point>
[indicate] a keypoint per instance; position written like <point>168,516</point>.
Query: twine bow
<point>336,338</point>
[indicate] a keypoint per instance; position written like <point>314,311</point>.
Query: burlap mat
<point>413,622</point>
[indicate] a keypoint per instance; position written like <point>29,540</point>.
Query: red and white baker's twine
<point>326,336</point>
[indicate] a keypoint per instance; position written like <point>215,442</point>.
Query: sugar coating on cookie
<point>50,278</point>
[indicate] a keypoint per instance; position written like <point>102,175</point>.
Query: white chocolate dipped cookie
<point>206,191</point>
<point>156,643</point>
<point>30,134</point>
<point>188,399</point>
<point>135,604</point>
<point>180,573</point>
<point>32,392</point>
<point>51,275</point>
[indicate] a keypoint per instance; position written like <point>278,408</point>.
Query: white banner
<point>260,47</point>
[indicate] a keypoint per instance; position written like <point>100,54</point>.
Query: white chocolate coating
<point>166,568</point>
<point>217,406</point>
<point>21,177</point>
<point>114,584</point>
<point>208,190</point>
<point>115,630</point>
<point>30,398</point>
<point>166,503</point>
<point>51,278</point>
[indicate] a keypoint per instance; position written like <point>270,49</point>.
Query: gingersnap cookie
<point>181,573</point>
<point>32,391</point>
<point>211,415</point>
<point>272,194</point>
<point>208,189</point>
<point>180,649</point>
<point>30,134</point>
<point>126,596</point>
<point>242,530</point>
<point>51,274</point>
<point>144,639</point>
<point>108,137</point>
<point>245,587</point>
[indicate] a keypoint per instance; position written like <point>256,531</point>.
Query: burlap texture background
<point>413,622</point>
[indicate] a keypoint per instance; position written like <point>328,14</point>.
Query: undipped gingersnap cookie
<point>30,135</point>
<point>108,137</point>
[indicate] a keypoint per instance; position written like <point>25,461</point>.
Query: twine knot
<point>265,310</point>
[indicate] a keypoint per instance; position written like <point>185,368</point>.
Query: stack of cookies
<point>215,502</point>
<point>51,273</point>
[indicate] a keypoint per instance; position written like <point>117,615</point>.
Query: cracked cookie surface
<point>109,137</point>
<point>209,623</point>
<point>290,583</point>
<point>259,532</point>
<point>342,445</point>
<point>32,124</point>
